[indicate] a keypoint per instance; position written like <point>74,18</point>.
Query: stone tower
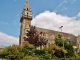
<point>25,22</point>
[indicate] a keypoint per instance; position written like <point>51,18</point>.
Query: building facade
<point>25,21</point>
<point>1,48</point>
<point>49,35</point>
<point>78,43</point>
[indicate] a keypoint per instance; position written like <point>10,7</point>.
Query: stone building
<point>78,43</point>
<point>26,19</point>
<point>1,48</point>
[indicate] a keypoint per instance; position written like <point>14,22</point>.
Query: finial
<point>26,0</point>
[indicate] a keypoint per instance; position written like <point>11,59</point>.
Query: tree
<point>12,52</point>
<point>56,50</point>
<point>70,49</point>
<point>28,49</point>
<point>67,45</point>
<point>59,40</point>
<point>30,58</point>
<point>33,37</point>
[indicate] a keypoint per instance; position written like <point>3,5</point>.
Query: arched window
<point>27,9</point>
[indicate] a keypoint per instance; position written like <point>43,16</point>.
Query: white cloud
<point>15,0</point>
<point>52,20</point>
<point>6,23</point>
<point>62,3</point>
<point>77,17</point>
<point>7,39</point>
<point>64,7</point>
<point>65,1</point>
<point>17,15</point>
<point>78,14</point>
<point>73,1</point>
<point>16,19</point>
<point>14,22</point>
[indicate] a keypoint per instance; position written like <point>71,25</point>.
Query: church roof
<point>72,37</point>
<point>2,46</point>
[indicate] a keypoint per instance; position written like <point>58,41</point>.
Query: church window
<point>27,9</point>
<point>41,32</point>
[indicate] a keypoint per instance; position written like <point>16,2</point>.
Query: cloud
<point>6,23</point>
<point>64,7</point>
<point>77,17</point>
<point>15,0</point>
<point>78,14</point>
<point>7,39</point>
<point>73,1</point>
<point>14,22</point>
<point>16,19</point>
<point>17,15</point>
<point>62,3</point>
<point>52,20</point>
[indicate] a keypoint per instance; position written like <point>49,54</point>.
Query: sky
<point>48,14</point>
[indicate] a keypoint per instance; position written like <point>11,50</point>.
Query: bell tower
<point>25,21</point>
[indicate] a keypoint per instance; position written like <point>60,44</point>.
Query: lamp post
<point>61,28</point>
<point>61,33</point>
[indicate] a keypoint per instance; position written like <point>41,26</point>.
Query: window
<point>27,9</point>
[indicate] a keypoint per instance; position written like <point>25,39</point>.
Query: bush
<point>30,58</point>
<point>39,52</point>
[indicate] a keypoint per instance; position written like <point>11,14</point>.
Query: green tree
<point>28,48</point>
<point>12,52</point>
<point>59,40</point>
<point>67,45</point>
<point>56,50</point>
<point>30,58</point>
<point>70,49</point>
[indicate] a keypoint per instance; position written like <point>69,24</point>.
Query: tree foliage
<point>56,50</point>
<point>27,48</point>
<point>12,52</point>
<point>30,58</point>
<point>67,45</point>
<point>33,37</point>
<point>59,40</point>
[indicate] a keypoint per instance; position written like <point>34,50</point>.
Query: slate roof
<point>2,46</point>
<point>73,38</point>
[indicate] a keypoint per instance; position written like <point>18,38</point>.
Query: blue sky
<point>43,10</point>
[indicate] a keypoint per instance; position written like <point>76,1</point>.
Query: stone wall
<point>78,43</point>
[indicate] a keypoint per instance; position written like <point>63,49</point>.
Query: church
<point>25,21</point>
